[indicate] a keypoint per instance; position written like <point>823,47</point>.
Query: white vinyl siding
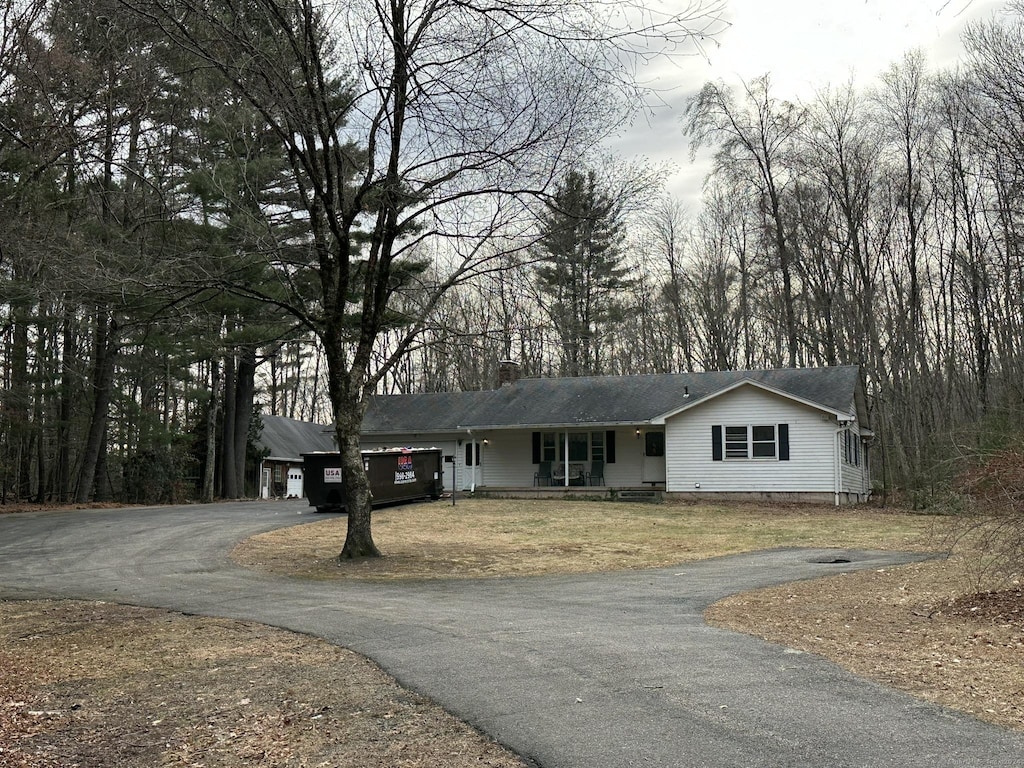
<point>507,459</point>
<point>810,468</point>
<point>853,462</point>
<point>629,459</point>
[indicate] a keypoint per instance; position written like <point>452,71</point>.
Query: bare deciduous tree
<point>410,120</point>
<point>754,139</point>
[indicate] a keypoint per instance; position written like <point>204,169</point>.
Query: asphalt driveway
<point>602,671</point>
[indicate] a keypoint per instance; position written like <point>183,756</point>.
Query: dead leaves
<point>906,627</point>
<point>105,685</point>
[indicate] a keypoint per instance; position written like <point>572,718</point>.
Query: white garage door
<point>294,489</point>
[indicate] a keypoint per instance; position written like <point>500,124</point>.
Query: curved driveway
<point>601,671</point>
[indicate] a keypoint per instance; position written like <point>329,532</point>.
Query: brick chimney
<point>508,372</point>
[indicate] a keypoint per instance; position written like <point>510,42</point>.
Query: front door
<point>471,467</point>
<point>654,457</point>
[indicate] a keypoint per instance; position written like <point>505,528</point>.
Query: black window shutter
<point>783,442</point>
<point>536,447</point>
<point>716,442</point>
<point>609,446</point>
<point>469,454</point>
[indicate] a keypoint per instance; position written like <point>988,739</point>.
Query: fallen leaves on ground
<point>98,685</point>
<point>910,627</point>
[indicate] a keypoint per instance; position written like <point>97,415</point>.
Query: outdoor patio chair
<point>596,473</point>
<point>577,474</point>
<point>543,474</point>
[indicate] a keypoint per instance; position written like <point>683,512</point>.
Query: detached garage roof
<point>605,400</point>
<point>287,439</point>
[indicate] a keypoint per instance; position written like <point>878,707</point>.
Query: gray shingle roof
<point>598,399</point>
<point>287,439</point>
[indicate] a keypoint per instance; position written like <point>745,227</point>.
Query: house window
<point>757,441</point>
<point>596,446</point>
<point>654,444</point>
<point>277,473</point>
<point>472,456</point>
<point>763,442</point>
<point>578,446</point>
<point>736,443</point>
<point>551,447</point>
<point>851,448</point>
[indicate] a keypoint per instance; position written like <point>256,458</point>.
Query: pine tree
<point>580,270</point>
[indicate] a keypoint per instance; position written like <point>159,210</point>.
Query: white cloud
<point>804,45</point>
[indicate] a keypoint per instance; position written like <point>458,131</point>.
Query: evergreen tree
<point>580,270</point>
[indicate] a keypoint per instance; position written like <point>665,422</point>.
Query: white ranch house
<point>796,433</point>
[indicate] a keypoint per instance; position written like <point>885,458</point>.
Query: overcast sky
<point>805,45</point>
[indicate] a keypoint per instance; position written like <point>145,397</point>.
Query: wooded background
<point>147,224</point>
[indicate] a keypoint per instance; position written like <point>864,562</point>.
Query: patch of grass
<point>915,627</point>
<point>514,537</point>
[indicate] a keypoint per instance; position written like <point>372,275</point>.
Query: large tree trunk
<point>105,353</point>
<point>245,392</point>
<point>239,391</point>
<point>359,539</point>
<point>345,386</point>
<point>102,490</point>
<point>229,480</point>
<point>41,410</point>
<point>210,466</point>
<point>66,397</point>
<point>17,403</point>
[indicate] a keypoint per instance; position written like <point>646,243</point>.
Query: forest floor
<point>106,685</point>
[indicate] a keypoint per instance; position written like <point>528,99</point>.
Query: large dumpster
<point>396,475</point>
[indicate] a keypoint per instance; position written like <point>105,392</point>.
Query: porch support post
<point>565,464</point>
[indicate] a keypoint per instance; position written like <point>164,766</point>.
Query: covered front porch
<point>545,461</point>
<point>550,461</point>
<point>649,493</point>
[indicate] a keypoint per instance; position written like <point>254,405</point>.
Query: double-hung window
<point>736,443</point>
<point>551,447</point>
<point>851,447</point>
<point>579,446</point>
<point>583,446</point>
<point>762,442</point>
<point>750,441</point>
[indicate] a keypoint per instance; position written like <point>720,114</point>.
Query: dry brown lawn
<point>496,537</point>
<point>105,685</point>
<point>111,686</point>
<point>920,628</point>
